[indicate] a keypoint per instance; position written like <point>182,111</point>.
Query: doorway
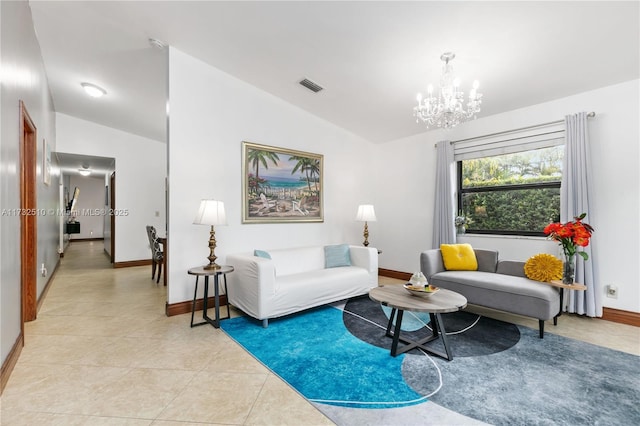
<point>28,222</point>
<point>112,217</point>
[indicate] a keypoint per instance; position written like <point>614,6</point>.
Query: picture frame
<point>281,185</point>
<point>46,162</point>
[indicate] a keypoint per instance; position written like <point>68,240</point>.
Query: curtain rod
<point>589,115</point>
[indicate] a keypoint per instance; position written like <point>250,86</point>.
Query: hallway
<point>102,352</point>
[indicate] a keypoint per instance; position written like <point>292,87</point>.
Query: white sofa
<point>295,279</point>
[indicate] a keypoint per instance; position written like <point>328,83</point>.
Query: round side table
<point>206,273</point>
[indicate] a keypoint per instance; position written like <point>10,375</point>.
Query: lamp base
<point>366,235</point>
<point>212,246</point>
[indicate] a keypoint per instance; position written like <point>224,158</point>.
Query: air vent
<point>311,85</point>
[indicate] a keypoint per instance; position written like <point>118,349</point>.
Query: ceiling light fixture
<point>84,171</point>
<point>93,90</point>
<point>446,109</point>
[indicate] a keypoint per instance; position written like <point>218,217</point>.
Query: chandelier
<point>446,109</point>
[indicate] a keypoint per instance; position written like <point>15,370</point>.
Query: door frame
<point>112,217</point>
<point>28,221</point>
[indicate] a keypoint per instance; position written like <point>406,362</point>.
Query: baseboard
<point>47,286</point>
<point>394,274</point>
<point>10,362</point>
<point>185,307</point>
<point>620,316</point>
<point>85,239</point>
<point>130,263</point>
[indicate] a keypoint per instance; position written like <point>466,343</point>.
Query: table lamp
<point>366,213</point>
<point>211,212</point>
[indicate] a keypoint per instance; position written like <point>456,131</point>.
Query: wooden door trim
<point>28,222</point>
<point>112,185</point>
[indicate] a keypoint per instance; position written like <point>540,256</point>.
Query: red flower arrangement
<point>571,235</point>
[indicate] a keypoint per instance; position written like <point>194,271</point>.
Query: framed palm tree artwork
<point>280,185</point>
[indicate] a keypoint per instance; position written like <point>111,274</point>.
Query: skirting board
<point>394,274</point>
<point>185,307</point>
<point>131,263</point>
<point>608,314</point>
<point>10,361</point>
<point>620,316</point>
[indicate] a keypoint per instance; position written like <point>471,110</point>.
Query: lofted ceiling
<point>370,57</point>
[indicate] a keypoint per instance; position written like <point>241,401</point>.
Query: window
<point>510,186</point>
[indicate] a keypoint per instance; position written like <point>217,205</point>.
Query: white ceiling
<point>371,57</point>
<point>70,164</point>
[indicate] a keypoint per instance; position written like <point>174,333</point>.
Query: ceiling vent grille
<point>314,87</point>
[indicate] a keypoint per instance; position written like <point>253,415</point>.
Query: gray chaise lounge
<point>497,284</point>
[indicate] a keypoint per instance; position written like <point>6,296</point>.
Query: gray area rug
<point>501,374</point>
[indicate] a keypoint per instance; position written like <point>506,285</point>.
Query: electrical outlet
<point>43,270</point>
<point>612,291</point>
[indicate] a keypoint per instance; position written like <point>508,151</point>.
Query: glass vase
<point>569,269</point>
<point>460,229</point>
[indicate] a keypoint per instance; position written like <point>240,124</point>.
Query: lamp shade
<point>366,213</point>
<point>211,212</point>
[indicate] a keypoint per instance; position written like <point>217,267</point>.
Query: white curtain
<point>574,200</point>
<point>443,216</point>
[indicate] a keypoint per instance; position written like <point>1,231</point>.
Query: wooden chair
<point>157,256</point>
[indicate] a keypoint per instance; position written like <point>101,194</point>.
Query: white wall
<point>211,114</point>
<point>90,205</point>
<point>140,173</point>
<point>23,78</point>
<point>406,182</point>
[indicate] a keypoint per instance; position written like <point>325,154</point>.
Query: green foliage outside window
<point>516,194</point>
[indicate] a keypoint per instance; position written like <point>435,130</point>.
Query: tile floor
<point>102,352</point>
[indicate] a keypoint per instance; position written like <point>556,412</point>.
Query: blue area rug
<point>501,374</point>
<point>315,353</point>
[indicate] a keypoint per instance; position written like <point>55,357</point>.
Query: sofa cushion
<point>504,292</point>
<point>297,260</point>
<point>261,253</point>
<point>459,257</point>
<point>336,256</point>
<point>487,260</point>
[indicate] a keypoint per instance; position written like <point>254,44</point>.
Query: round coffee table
<point>399,299</point>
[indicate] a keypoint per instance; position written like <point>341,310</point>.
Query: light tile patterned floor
<point>102,352</point>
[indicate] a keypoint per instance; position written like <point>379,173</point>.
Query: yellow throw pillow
<point>459,257</point>
<point>543,267</point>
